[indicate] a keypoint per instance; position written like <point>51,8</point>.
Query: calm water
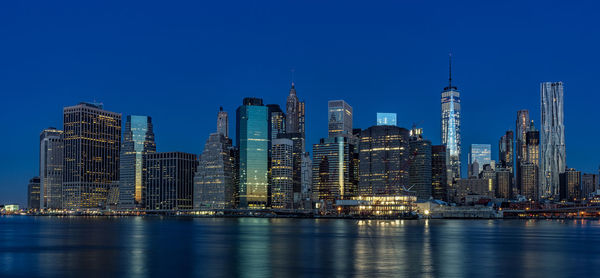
<point>250,247</point>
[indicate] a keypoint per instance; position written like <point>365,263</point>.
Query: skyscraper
<point>33,193</point>
<point>340,118</point>
<point>51,168</point>
<point>552,138</point>
<point>223,123</point>
<point>506,151</point>
<point>384,161</point>
<point>503,183</point>
<point>138,140</point>
<point>276,121</point>
<point>92,144</point>
<point>439,180</point>
<point>532,142</point>
<point>282,193</point>
<point>420,165</point>
<point>306,181</point>
<point>214,182</point>
<point>589,184</point>
<point>297,152</point>
<point>529,169</point>
<point>333,169</point>
<point>451,137</point>
<point>522,127</point>
<point>295,110</point>
<point>253,142</point>
<point>570,185</point>
<point>386,118</point>
<point>170,180</point>
<point>480,154</point>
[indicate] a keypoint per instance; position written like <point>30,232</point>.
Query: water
<point>253,247</point>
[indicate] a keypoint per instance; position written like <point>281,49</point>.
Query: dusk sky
<point>179,61</point>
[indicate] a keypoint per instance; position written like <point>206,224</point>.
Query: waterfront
<point>258,247</point>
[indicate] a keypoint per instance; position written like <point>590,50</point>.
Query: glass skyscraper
<point>138,140</point>
<point>451,127</point>
<point>252,139</point>
<point>480,154</point>
<point>386,118</point>
<point>340,118</point>
<point>522,126</point>
<point>552,138</point>
<point>51,166</point>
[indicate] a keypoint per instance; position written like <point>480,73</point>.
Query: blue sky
<point>178,62</point>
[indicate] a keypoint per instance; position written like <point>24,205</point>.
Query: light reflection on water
<point>254,247</point>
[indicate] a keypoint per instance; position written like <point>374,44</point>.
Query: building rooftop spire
<point>450,87</point>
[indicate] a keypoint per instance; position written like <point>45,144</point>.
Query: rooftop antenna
<point>292,73</point>
<point>450,70</point>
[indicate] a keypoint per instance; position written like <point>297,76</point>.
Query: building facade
<point>552,138</point>
<point>480,154</point>
<point>570,185</point>
<point>252,138</point>
<point>33,193</point>
<point>213,180</point>
<point>503,183</point>
<point>138,141</point>
<point>439,180</point>
<point>334,174</point>
<point>522,127</point>
<point>282,174</point>
<point>92,145</point>
<point>295,118</point>
<point>419,169</point>
<point>51,168</point>
<point>529,180</point>
<point>589,184</point>
<point>451,126</point>
<point>386,119</point>
<point>223,123</point>
<point>170,179</point>
<point>340,118</point>
<point>384,161</point>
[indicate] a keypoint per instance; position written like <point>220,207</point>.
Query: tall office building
<point>306,181</point>
<point>214,181</point>
<point>297,152</point>
<point>529,180</point>
<point>223,123</point>
<point>252,136</point>
<point>340,118</point>
<point>506,151</point>
<point>276,121</point>
<point>439,180</point>
<point>295,110</point>
<point>552,138</point>
<point>92,145</point>
<point>138,140</point>
<point>33,193</point>
<point>451,137</point>
<point>384,161</point>
<point>419,170</point>
<point>51,168</point>
<point>589,184</point>
<point>170,180</point>
<point>282,193</point>
<point>570,185</point>
<point>386,118</point>
<point>334,175</point>
<point>480,154</point>
<point>503,183</point>
<point>532,143</point>
<point>522,127</point>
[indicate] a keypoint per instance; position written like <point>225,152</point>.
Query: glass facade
<point>340,118</point>
<point>334,174</point>
<point>552,138</point>
<point>51,166</point>
<point>138,140</point>
<point>170,183</point>
<point>386,119</point>
<point>451,137</point>
<point>480,154</point>
<point>253,142</point>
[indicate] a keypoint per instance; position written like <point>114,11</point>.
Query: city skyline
<point>486,115</point>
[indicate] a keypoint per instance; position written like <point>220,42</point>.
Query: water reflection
<point>252,247</point>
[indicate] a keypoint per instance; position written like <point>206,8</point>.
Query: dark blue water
<point>252,247</point>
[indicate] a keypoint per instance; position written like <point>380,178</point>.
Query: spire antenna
<point>292,71</point>
<point>450,70</point>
